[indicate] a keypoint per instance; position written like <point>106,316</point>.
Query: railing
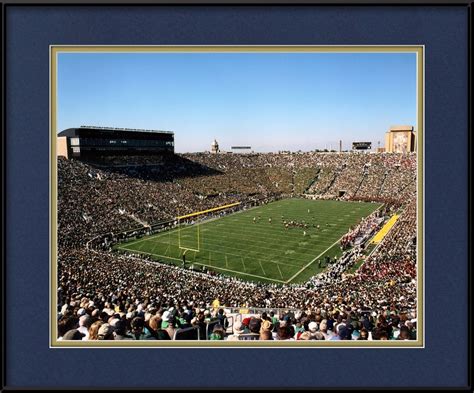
<point>385,175</point>
<point>316,178</point>
<point>364,176</point>
<point>333,180</point>
<point>190,333</point>
<point>230,320</point>
<point>258,310</point>
<point>249,336</point>
<point>209,326</point>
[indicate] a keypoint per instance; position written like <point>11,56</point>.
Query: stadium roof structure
<point>401,128</point>
<point>71,131</point>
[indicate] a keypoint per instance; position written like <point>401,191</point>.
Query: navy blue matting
<point>31,29</point>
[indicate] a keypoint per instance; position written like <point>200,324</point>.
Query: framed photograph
<point>297,191</point>
<point>270,229</point>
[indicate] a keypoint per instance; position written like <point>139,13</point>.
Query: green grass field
<point>260,251</point>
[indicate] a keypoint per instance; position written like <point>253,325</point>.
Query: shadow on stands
<point>166,167</point>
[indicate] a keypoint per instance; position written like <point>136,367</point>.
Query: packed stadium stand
<point>104,295</point>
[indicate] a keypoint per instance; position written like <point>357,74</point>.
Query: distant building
<point>361,146</point>
<point>241,149</point>
<point>214,147</point>
<point>400,139</point>
<point>91,141</point>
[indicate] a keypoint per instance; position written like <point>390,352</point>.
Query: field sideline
<point>262,250</point>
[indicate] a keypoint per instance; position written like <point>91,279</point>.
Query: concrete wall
<point>61,146</point>
<point>400,139</point>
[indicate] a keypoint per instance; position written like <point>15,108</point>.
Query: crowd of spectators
<point>104,295</point>
<point>361,232</point>
<point>148,321</point>
<point>364,176</point>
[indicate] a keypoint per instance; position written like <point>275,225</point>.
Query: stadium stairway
<point>364,176</point>
<point>316,178</point>
<point>136,219</point>
<point>385,176</point>
<point>333,180</point>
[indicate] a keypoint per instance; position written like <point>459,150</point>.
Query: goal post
<point>189,237</point>
<point>189,233</point>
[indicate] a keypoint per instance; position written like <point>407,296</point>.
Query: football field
<point>255,244</point>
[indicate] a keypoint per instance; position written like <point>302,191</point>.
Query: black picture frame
<point>8,226</point>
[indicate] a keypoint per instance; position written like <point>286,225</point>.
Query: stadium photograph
<point>237,196</point>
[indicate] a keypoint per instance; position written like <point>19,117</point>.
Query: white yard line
<point>327,249</point>
<point>279,270</point>
<point>251,244</point>
<point>313,260</point>
<point>168,232</point>
<point>214,267</point>
<point>262,267</point>
<point>236,272</point>
<point>124,247</point>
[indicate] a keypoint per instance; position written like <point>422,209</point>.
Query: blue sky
<point>270,101</point>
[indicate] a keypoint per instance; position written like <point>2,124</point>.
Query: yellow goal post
<point>191,216</point>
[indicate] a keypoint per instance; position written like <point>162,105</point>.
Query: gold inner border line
<point>55,50</point>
